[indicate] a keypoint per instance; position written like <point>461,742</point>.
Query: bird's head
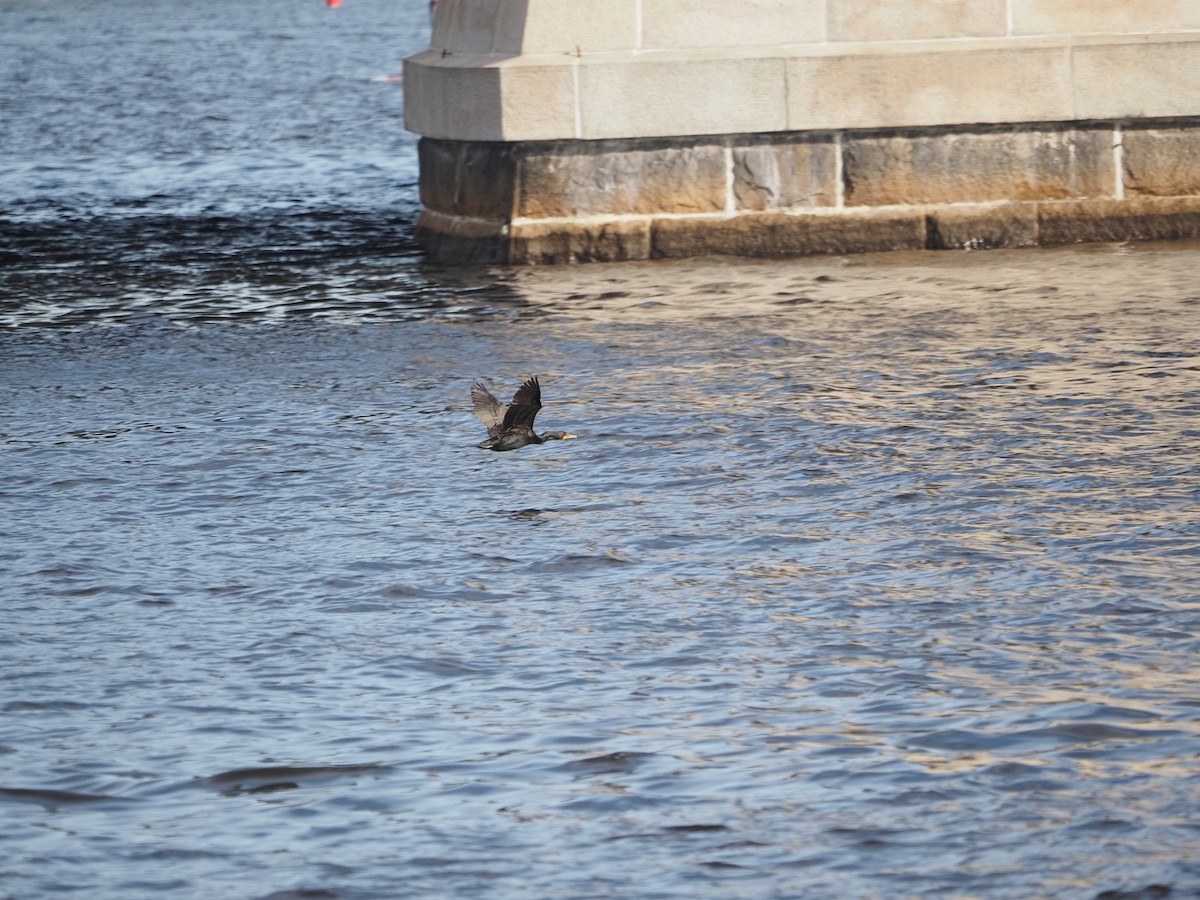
<point>557,435</point>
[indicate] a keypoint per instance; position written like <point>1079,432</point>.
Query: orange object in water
<point>333,3</point>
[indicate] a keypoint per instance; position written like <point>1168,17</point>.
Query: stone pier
<point>575,130</point>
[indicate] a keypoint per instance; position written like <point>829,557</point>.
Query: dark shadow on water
<point>349,266</point>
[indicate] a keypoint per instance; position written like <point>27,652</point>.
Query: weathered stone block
<point>537,102</point>
<point>538,243</point>
<point>1140,219</point>
<point>694,24</point>
<point>621,178</point>
<point>577,26</point>
<point>780,235</point>
<point>1109,16</point>
<point>695,95</point>
<point>1163,162</point>
<point>438,162</point>
<point>456,98</point>
<point>983,227</point>
<point>785,172</point>
<point>1141,77</point>
<point>955,167</point>
<point>890,20</point>
<point>482,98</point>
<point>468,178</point>
<point>933,83</point>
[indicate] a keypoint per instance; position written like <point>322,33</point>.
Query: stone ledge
<point>800,87</point>
<point>1136,219</point>
<point>777,235</point>
<point>982,227</point>
<point>773,234</point>
<point>464,242</point>
<point>541,243</point>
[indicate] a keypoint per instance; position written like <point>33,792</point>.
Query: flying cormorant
<point>511,427</point>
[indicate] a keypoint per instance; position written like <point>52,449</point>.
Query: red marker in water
<point>332,4</point>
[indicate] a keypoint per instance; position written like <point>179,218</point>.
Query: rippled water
<point>868,577</point>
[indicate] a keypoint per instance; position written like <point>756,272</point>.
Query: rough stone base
<point>809,193</point>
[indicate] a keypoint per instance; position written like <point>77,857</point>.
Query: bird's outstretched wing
<point>524,407</point>
<point>488,409</point>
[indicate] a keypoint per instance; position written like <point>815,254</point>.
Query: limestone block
<point>696,24</point>
<point>1103,16</point>
<point>512,27</point>
<point>452,97</point>
<point>534,243</point>
<point>1139,78</point>
<point>891,20</point>
<point>469,26</point>
<point>473,98</point>
<point>771,234</point>
<point>622,178</point>
<point>998,164</point>
<point>1162,161</point>
<point>1140,219</point>
<point>785,172</point>
<point>983,227</point>
<point>579,26</point>
<point>537,102</point>
<point>928,84</point>
<point>685,95</point>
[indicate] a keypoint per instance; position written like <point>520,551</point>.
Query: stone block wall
<point>789,194</point>
<point>569,130</point>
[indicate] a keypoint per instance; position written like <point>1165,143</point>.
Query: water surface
<point>867,577</point>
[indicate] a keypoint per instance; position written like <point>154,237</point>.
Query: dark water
<point>868,577</point>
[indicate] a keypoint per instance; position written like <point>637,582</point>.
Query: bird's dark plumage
<point>511,427</point>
